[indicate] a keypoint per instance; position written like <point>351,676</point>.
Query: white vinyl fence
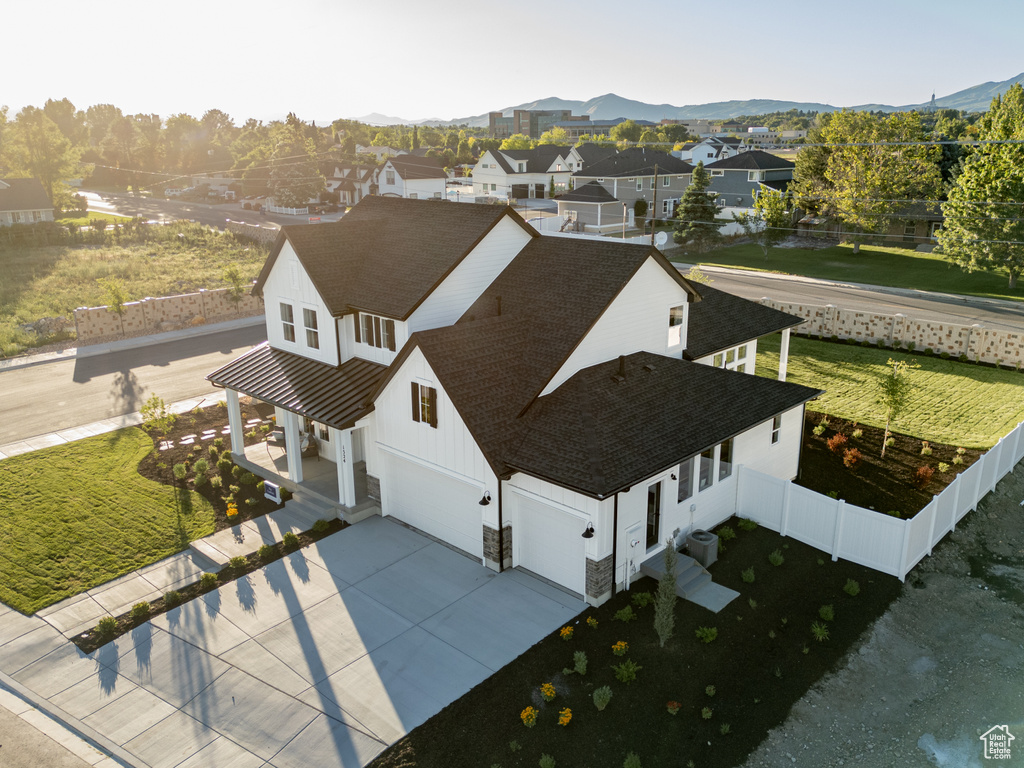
<point>866,537</point>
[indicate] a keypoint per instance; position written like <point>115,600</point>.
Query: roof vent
<point>648,367</point>
<point>620,376</point>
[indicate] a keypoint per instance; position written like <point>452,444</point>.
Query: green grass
<point>952,402</point>
<point>77,515</point>
<point>875,265</point>
<point>52,281</point>
<point>83,221</point>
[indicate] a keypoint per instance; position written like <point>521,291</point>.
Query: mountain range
<point>610,106</point>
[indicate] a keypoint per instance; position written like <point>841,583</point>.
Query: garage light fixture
<point>485,499</point>
<point>589,533</point>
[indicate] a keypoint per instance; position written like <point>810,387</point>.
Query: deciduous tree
<point>34,144</point>
<point>894,388</point>
<point>295,177</point>
<point>771,221</point>
<point>628,130</point>
<point>517,141</point>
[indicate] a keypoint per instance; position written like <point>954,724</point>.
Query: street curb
<point>74,725</point>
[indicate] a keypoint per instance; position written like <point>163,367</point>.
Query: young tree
<point>983,227</point>
<point>117,297</point>
<point>665,598</point>
<point>696,223</point>
<point>770,223</point>
<point>894,392</point>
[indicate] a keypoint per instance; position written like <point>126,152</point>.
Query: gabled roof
<point>591,192</point>
<point>538,159</point>
<point>413,167</point>
<point>754,160</point>
<point>387,254</point>
<point>635,161</point>
<point>593,153</point>
<point>23,195</point>
<point>708,333</point>
<point>614,424</point>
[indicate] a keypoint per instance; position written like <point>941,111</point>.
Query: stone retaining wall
<point>266,235</point>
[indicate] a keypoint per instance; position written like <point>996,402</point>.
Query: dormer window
<point>376,331</point>
<point>288,322</point>
<point>312,329</point>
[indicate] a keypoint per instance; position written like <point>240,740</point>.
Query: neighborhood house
<point>559,405</point>
<point>23,201</point>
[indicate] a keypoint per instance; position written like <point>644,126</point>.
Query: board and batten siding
<point>635,321</point>
<point>288,283</point>
<point>457,292</point>
<point>449,448</point>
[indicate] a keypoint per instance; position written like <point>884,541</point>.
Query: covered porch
<point>319,475</point>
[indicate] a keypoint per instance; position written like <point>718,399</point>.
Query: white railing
<point>289,211</point>
<point>864,536</point>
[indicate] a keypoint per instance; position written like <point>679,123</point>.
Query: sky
<point>418,59</point>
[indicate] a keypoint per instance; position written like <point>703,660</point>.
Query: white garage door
<point>549,543</point>
<point>436,504</point>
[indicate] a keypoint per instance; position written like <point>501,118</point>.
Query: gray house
<point>639,173</point>
<point>737,178</point>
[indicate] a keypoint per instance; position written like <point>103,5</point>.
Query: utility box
<point>273,492</point>
<point>702,546</point>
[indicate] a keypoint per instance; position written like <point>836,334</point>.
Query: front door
<point>653,515</point>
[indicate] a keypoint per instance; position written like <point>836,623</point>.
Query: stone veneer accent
<point>373,487</point>
<point>599,577</point>
<point>491,546</point>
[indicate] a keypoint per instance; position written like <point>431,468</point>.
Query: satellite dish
<point>661,238</point>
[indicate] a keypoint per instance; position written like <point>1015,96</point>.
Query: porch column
<point>235,423</point>
<point>346,466</point>
<point>293,446</point>
<point>784,355</point>
<point>599,207</point>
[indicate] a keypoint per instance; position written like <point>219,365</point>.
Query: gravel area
<point>943,666</point>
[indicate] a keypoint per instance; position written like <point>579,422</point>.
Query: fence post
<point>956,503</point>
<point>837,535</point>
<point>977,483</point>
<point>784,517</point>
<point>1016,447</point>
<point>998,451</point>
<point>906,551</point>
<point>931,525</point>
<point>736,497</point>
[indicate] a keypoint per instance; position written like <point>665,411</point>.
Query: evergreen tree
<point>696,225</point>
<point>665,598</point>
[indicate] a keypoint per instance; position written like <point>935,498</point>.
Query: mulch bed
<point>92,639</point>
<point>886,485</point>
<point>159,465</point>
<point>763,660</point>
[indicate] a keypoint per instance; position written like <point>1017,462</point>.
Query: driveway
<point>320,659</point>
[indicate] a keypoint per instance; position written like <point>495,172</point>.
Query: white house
<point>521,173</point>
<point>350,182</point>
<point>23,201</point>
<point>412,177</point>
<point>508,392</point>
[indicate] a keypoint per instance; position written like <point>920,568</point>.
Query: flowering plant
<point>566,633</point>
<point>232,509</point>
<point>547,690</point>
<point>592,622</point>
<point>529,717</point>
<point>564,716</point>
<point>673,707</point>
<point>620,648</point>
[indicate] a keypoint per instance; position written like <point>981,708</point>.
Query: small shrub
<point>851,458</point>
<point>179,471</point>
<point>237,471</point>
<point>321,526</point>
<point>261,487</point>
<point>825,421</point>
<point>620,648</point>
<point>208,580</point>
<point>706,634</point>
<point>821,561</point>
<point>922,477</point>
<point>833,494</point>
<point>579,662</point>
<point>626,614</point>
<point>224,464</point>
<point>201,480</point>
<point>890,442</point>
<point>547,691</point>
<point>106,626</point>
<point>214,452</point>
<point>837,443</point>
<point>252,502</point>
<point>218,442</point>
<point>235,490</point>
<point>238,562</point>
<point>264,428</point>
<point>201,467</point>
<point>626,671</point>
<point>771,634</point>
<point>776,558</point>
<point>929,351</point>
<point>565,633</point>
<point>958,460</point>
<point>943,467</point>
<point>602,696</point>
<point>546,761</point>
<point>172,598</point>
<point>725,533</point>
<point>894,513</point>
<point>291,541</point>
<point>706,713</point>
<point>745,524</point>
<point>748,575</point>
<point>827,612</point>
<point>806,649</point>
<point>529,717</point>
<point>961,451</point>
<point>266,552</point>
<point>514,746</point>
<point>591,622</point>
<point>564,716</point>
<point>216,482</point>
<point>926,449</point>
<point>944,355</point>
<point>752,603</point>
<point>819,631</point>
<point>852,588</point>
<point>248,478</point>
<point>632,759</point>
<point>140,611</point>
<point>963,358</point>
<point>724,728</point>
<point>819,430</point>
<point>710,690</point>
<point>910,346</point>
<point>642,599</point>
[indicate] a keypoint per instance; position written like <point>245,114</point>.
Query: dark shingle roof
<point>754,160</point>
<point>325,393</point>
<point>636,161</point>
<point>387,254</point>
<point>23,195</point>
<point>722,320</point>
<point>591,192</point>
<point>538,159</point>
<point>593,153</point>
<point>598,434</point>
<point>412,167</point>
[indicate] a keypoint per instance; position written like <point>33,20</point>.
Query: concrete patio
<point>320,659</point>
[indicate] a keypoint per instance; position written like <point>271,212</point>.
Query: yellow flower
<point>564,716</point>
<point>592,622</point>
<point>620,648</point>
<point>566,633</point>
<point>547,690</point>
<point>529,717</point>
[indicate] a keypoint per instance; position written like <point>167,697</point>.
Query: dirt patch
<point>940,669</point>
<point>886,485</point>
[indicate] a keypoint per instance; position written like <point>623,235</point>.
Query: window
<point>37,216</point>
<point>707,464</point>
<point>494,187</point>
<point>755,175</point>
<point>652,182</point>
<point>558,167</point>
<point>312,329</point>
<point>725,459</point>
<point>717,173</point>
<point>389,177</point>
<point>288,322</point>
<point>413,196</point>
<point>15,218</point>
<point>376,331</point>
<point>776,428</point>
<point>424,404</point>
<point>639,185</point>
<point>666,181</point>
<point>653,515</point>
<point>522,167</point>
<point>437,195</point>
<point>732,359</point>
<point>685,480</point>
<point>675,325</point>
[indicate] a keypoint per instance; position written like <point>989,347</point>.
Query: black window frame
<point>424,404</point>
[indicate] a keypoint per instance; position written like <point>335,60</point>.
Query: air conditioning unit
<point>702,547</point>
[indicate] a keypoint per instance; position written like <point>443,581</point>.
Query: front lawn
<point>961,404</point>
<point>874,265</point>
<point>77,515</point>
<point>729,692</point>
